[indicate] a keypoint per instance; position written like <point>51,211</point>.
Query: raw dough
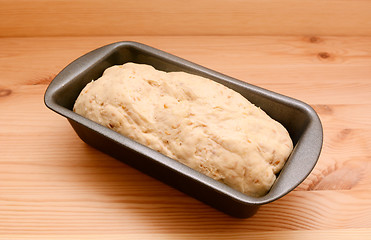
<point>194,120</point>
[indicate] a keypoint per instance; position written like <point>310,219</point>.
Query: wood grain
<point>192,17</point>
<point>293,62</point>
<point>351,234</point>
<point>53,186</point>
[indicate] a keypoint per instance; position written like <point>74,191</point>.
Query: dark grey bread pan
<point>299,118</point>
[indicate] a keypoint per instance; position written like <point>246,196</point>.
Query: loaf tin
<point>300,120</point>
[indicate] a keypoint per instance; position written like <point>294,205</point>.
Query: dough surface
<point>194,120</point>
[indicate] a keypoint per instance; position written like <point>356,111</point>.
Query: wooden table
<point>54,186</point>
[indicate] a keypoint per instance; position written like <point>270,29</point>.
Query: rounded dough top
<point>191,119</point>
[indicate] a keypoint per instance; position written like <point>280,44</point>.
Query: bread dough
<point>194,120</point>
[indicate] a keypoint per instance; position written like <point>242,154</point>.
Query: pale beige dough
<point>194,120</point>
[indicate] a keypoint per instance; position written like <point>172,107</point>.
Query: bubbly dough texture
<point>194,120</point>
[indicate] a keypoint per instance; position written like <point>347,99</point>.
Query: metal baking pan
<point>299,119</point>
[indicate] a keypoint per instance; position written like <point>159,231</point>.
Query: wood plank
<point>287,65</point>
<point>100,206</point>
<point>194,17</point>
<point>339,234</point>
